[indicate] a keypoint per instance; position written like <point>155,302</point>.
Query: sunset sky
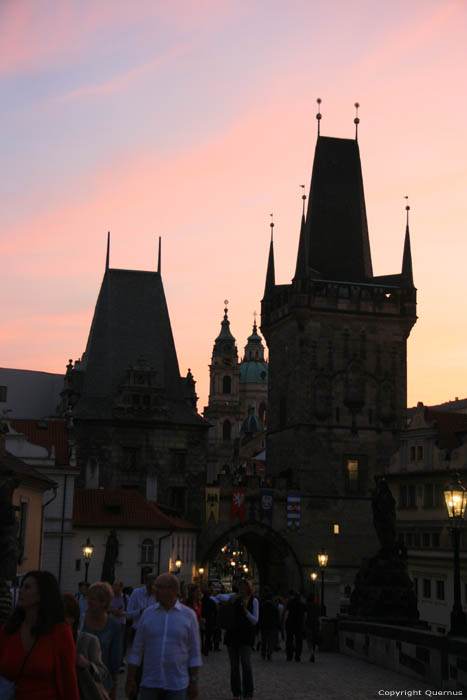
<point>195,120</point>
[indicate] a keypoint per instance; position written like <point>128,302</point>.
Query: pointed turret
<point>301,269</point>
<point>336,232</point>
<point>225,342</point>
<point>270,274</point>
<point>407,273</point>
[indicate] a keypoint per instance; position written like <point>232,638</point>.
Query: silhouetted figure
<point>110,558</point>
<point>384,515</point>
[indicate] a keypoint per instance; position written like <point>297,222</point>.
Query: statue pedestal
<point>383,591</point>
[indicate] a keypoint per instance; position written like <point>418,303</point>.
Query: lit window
<point>352,474</point>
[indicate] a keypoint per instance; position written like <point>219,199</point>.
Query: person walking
<point>108,631</point>
<point>37,650</point>
<point>117,608</point>
<point>240,639</point>
<point>90,670</point>
<point>209,615</point>
<point>268,624</point>
<point>294,626</point>
<point>140,599</point>
<point>312,626</point>
<point>167,644</point>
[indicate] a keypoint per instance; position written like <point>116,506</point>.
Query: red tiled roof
<point>46,433</point>
<point>450,426</point>
<point>121,508</point>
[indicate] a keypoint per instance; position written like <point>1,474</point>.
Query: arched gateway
<point>275,560</point>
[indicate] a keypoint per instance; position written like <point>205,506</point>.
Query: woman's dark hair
<point>50,605</point>
<point>71,609</point>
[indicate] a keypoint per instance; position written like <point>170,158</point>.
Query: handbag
<point>89,689</point>
<point>7,687</point>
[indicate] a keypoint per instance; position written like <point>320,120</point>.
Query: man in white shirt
<point>167,642</point>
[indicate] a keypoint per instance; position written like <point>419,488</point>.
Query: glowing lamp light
<point>232,563</point>
<point>178,563</point>
<point>455,497</point>
<point>322,559</point>
<point>313,576</point>
<point>87,550</point>
<point>201,570</point>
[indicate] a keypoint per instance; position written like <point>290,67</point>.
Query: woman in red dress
<point>36,635</point>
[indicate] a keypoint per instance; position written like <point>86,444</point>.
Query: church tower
<point>337,339</point>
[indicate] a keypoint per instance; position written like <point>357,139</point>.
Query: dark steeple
<point>225,342</point>
<point>407,274</point>
<point>131,328</point>
<point>270,274</point>
<point>301,269</point>
<point>336,232</point>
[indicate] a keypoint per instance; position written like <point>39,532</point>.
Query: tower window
<point>226,384</point>
<point>352,474</point>
<point>226,430</point>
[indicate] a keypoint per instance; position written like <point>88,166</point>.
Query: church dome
<point>253,367</point>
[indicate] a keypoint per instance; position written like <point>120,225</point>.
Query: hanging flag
<point>238,503</point>
<point>293,510</point>
<point>212,504</point>
<point>266,502</point>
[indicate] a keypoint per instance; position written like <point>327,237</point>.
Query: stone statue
<point>110,558</point>
<point>384,515</point>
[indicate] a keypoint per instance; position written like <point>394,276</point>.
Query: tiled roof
<point>46,433</point>
<point>122,508</point>
<point>451,426</point>
<point>9,462</point>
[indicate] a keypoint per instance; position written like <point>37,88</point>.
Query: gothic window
<point>226,384</point>
<point>226,430</point>
<point>147,551</point>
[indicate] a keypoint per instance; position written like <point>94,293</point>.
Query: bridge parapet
<point>418,653</point>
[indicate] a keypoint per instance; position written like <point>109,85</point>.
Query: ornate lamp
<point>455,498</point>
<point>178,563</point>
<point>322,563</point>
<point>87,550</point>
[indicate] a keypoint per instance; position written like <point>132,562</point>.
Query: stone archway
<point>276,561</point>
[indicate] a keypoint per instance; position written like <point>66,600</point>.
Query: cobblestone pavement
<point>334,676</point>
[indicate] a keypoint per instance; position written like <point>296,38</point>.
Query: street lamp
<point>313,577</point>
<point>201,570</point>
<point>455,497</point>
<point>87,550</point>
<point>178,564</point>
<point>322,563</point>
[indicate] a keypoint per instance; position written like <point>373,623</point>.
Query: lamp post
<point>322,563</point>
<point>455,498</point>
<point>178,564</point>
<point>313,577</point>
<point>87,550</point>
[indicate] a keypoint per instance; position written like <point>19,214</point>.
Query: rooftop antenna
<point>107,257</point>
<point>356,121</point>
<point>303,199</point>
<point>159,257</point>
<point>319,115</point>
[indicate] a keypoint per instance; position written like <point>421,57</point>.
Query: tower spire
<point>302,259</point>
<point>270,274</point>
<point>107,257</point>
<point>159,257</point>
<point>407,272</point>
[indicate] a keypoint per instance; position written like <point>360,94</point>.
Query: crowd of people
<point>64,646</point>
